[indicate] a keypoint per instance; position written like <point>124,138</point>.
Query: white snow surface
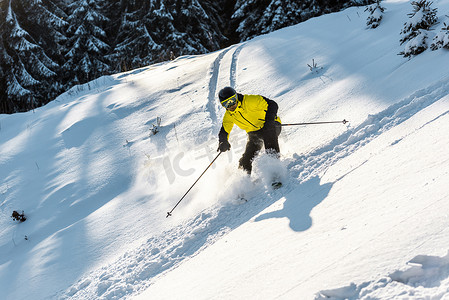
<point>363,212</point>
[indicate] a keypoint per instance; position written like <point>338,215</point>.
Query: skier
<point>256,115</point>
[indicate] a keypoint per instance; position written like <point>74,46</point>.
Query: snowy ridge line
<point>102,84</point>
<point>317,162</point>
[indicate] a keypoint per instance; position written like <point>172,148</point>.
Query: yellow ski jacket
<point>250,114</point>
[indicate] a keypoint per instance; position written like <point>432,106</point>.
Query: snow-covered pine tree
<point>45,22</point>
<point>192,18</point>
<point>375,14</point>
<point>279,13</point>
<point>134,46</point>
<point>415,31</point>
<point>28,41</point>
<point>86,43</point>
<point>252,17</point>
<point>219,20</point>
<point>28,70</point>
<point>441,40</point>
<point>46,17</point>
<point>194,31</point>
<point>15,97</point>
<point>4,105</point>
<point>247,14</point>
<point>152,31</point>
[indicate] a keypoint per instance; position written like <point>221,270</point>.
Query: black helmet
<point>225,93</point>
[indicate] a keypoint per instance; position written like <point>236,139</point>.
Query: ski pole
<point>313,123</point>
<point>170,212</point>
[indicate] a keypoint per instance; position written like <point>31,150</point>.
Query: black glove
<point>223,146</point>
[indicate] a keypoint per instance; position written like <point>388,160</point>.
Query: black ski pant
<point>258,139</point>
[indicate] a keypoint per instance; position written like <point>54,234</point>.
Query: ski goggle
<point>231,101</point>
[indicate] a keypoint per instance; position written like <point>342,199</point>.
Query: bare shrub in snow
<point>155,128</point>
<point>18,217</point>
<point>314,67</point>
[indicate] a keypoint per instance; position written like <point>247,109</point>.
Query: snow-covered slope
<point>363,212</point>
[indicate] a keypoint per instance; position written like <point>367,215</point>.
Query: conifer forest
<point>49,46</point>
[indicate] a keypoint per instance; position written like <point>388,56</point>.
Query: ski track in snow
<point>316,162</point>
<point>233,70</point>
<point>139,268</point>
<point>212,106</point>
